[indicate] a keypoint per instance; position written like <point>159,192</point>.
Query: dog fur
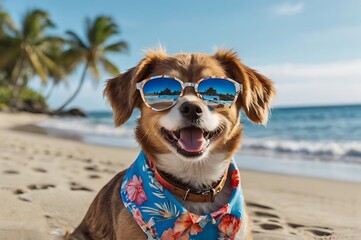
<point>107,218</point>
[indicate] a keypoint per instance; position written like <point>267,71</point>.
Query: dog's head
<point>190,130</point>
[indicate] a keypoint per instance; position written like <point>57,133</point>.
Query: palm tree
<point>6,23</point>
<point>55,52</point>
<point>25,50</point>
<point>92,51</point>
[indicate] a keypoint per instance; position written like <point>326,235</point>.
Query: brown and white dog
<point>107,218</point>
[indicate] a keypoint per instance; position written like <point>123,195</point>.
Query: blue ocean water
<point>324,133</point>
<point>305,141</point>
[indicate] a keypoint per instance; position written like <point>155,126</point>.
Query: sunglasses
<point>162,92</point>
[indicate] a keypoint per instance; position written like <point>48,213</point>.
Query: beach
<point>48,183</point>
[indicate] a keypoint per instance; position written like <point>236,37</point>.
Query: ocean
<point>309,141</point>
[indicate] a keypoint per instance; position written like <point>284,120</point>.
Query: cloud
<point>288,8</point>
<point>344,34</point>
<point>351,68</point>
<point>316,84</point>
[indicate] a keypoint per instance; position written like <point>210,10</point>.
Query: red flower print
<point>229,225</point>
<point>135,191</point>
<point>219,213</point>
<point>147,227</point>
<point>187,223</point>
<point>235,179</point>
<point>138,217</point>
<point>169,235</point>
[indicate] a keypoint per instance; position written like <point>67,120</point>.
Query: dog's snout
<point>191,110</point>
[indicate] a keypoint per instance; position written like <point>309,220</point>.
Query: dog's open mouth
<point>190,141</point>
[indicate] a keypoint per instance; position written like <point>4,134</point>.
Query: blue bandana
<point>161,216</point>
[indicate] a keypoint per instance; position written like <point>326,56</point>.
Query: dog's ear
<point>257,90</point>
<point>122,92</point>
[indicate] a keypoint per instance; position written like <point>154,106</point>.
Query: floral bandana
<point>161,216</point>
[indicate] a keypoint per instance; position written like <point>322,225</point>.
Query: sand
<point>47,184</point>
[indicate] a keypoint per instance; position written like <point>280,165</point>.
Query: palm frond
<point>36,63</point>
<point>71,58</point>
<point>35,23</point>
<point>6,23</point>
<point>50,40</point>
<point>94,69</point>
<point>164,211</point>
<point>99,30</point>
<point>120,46</point>
<point>75,40</point>
<point>16,71</point>
<point>109,66</point>
<point>9,51</point>
<point>53,69</point>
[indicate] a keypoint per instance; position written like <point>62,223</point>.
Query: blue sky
<point>310,49</point>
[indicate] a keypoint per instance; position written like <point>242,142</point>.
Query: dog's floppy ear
<point>257,89</point>
<point>122,92</point>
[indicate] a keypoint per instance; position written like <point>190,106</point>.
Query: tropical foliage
<point>27,96</point>
<point>92,50</point>
<point>29,51</point>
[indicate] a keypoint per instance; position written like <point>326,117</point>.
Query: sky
<point>310,49</point>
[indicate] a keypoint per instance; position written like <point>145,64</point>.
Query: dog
<point>187,142</point>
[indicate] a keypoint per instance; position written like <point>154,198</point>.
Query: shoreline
<point>48,183</point>
<point>277,163</point>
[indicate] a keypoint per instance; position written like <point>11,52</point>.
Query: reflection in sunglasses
<point>162,92</point>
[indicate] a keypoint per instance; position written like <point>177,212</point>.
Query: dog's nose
<point>191,110</point>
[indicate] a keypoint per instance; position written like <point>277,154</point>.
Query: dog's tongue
<point>191,139</point>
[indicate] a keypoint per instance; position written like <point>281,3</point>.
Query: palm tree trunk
<point>16,88</point>
<point>71,98</point>
<point>48,94</point>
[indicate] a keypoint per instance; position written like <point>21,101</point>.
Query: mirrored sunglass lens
<point>161,93</point>
<point>217,92</point>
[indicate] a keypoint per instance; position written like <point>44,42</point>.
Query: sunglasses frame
<point>141,84</point>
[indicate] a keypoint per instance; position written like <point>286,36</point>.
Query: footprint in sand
<point>265,214</point>
<point>24,197</point>
<point>256,205</point>
<point>314,230</point>
<point>23,194</point>
<point>109,171</point>
<point>19,191</point>
<point>269,226</point>
<point>36,169</point>
<point>78,187</point>
<point>87,160</point>
<point>40,186</point>
<point>10,172</point>
<point>265,219</point>
<point>93,168</point>
<point>94,176</point>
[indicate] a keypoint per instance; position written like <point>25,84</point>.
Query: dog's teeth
<point>208,135</point>
<point>176,135</point>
